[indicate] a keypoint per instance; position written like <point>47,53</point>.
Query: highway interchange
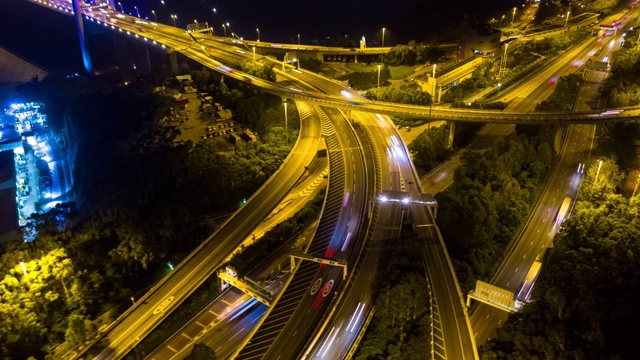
<point>391,169</point>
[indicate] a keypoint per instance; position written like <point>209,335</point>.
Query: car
<point>551,82</point>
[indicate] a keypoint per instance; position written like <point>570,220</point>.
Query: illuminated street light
<point>258,31</point>
<point>383,30</point>
<point>162,2</point>
<point>214,10</point>
<point>504,60</point>
<point>121,9</point>
<point>174,17</point>
<point>566,21</point>
<point>595,180</point>
<point>286,128</point>
<point>137,11</point>
<point>513,18</point>
<point>155,18</point>
<point>225,30</point>
<point>501,19</point>
<point>636,187</point>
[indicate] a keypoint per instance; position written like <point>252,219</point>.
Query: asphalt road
<point>540,229</point>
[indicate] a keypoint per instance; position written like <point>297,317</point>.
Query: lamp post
<point>636,187</point>
<point>155,17</point>
<point>121,9</point>
<point>137,11</point>
<point>195,21</point>
<point>258,31</point>
<point>501,19</point>
<point>298,39</point>
<point>566,21</point>
<point>254,54</point>
<point>504,60</point>
<point>162,2</point>
<point>379,75</point>
<point>174,17</point>
<point>286,127</point>
<point>595,180</point>
<point>383,30</point>
<point>513,17</point>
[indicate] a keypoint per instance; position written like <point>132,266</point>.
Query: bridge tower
<point>86,57</point>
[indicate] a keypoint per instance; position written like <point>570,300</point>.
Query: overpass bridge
<point>176,41</point>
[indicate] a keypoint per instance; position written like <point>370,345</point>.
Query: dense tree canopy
<point>144,200</point>
<point>492,194</point>
<point>586,295</point>
<point>408,93</point>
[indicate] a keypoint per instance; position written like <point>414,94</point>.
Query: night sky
<point>36,38</point>
<point>282,20</point>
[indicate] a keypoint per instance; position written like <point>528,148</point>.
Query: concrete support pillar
<point>452,131</point>
<point>86,57</point>
<point>173,61</point>
<point>148,58</point>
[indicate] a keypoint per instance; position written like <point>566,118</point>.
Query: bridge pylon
<point>86,57</point>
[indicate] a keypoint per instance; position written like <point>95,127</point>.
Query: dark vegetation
<point>431,147</point>
<point>586,296</point>
<point>361,80</point>
<point>413,53</point>
<point>408,93</point>
<point>492,195</point>
<point>564,96</point>
<point>144,202</point>
<point>623,86</point>
<point>481,78</point>
<point>400,327</point>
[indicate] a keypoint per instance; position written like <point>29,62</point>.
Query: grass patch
<point>400,72</point>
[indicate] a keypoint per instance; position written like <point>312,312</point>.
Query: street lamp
<point>383,30</point>
<point>513,18</point>
<point>258,31</point>
<point>298,39</point>
<point>379,75</point>
<point>502,18</point>
<point>225,30</point>
<point>137,11</point>
<point>121,9</point>
<point>636,187</point>
<point>566,21</point>
<point>162,2</point>
<point>174,17</point>
<point>254,54</point>
<point>196,24</point>
<point>155,18</point>
<point>504,60</point>
<point>597,172</point>
<point>286,127</point>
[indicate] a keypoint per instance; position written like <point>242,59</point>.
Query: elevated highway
<point>174,39</point>
<point>179,41</point>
